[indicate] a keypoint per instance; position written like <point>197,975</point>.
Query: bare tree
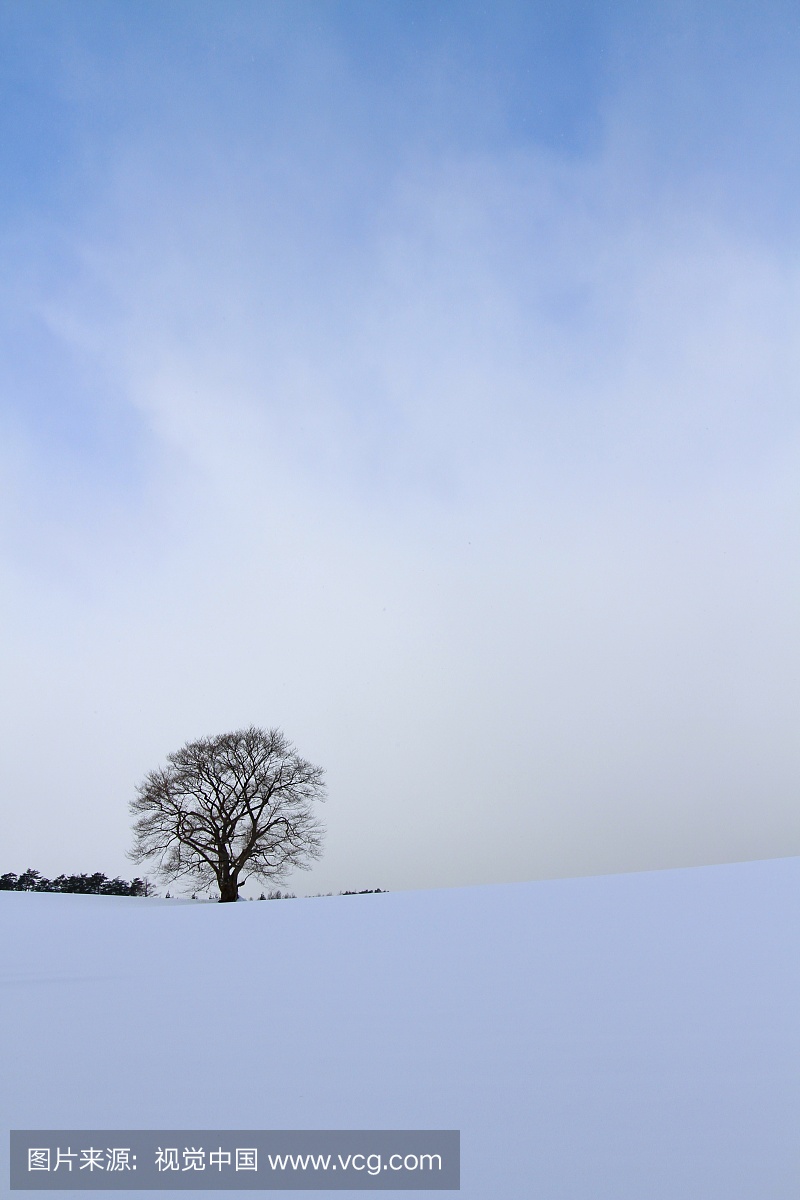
<point>229,807</point>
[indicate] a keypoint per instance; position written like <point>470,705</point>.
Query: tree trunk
<point>228,891</point>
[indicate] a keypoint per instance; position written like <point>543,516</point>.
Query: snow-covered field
<point>628,1037</point>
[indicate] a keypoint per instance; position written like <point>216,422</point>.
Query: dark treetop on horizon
<point>85,885</point>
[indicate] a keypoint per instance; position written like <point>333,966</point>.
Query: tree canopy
<point>229,807</point>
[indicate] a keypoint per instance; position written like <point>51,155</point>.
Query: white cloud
<point>489,505</point>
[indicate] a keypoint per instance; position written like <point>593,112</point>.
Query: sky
<point>421,379</point>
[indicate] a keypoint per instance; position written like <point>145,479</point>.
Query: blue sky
<point>420,378</point>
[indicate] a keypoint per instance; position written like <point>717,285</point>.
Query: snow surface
<point>629,1036</point>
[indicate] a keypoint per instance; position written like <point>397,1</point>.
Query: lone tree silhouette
<point>229,807</point>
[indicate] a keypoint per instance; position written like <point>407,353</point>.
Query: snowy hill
<point>628,1037</point>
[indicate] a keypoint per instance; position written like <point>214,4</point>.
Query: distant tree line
<point>86,885</point>
<point>324,895</point>
<point>99,885</point>
<point>364,892</point>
